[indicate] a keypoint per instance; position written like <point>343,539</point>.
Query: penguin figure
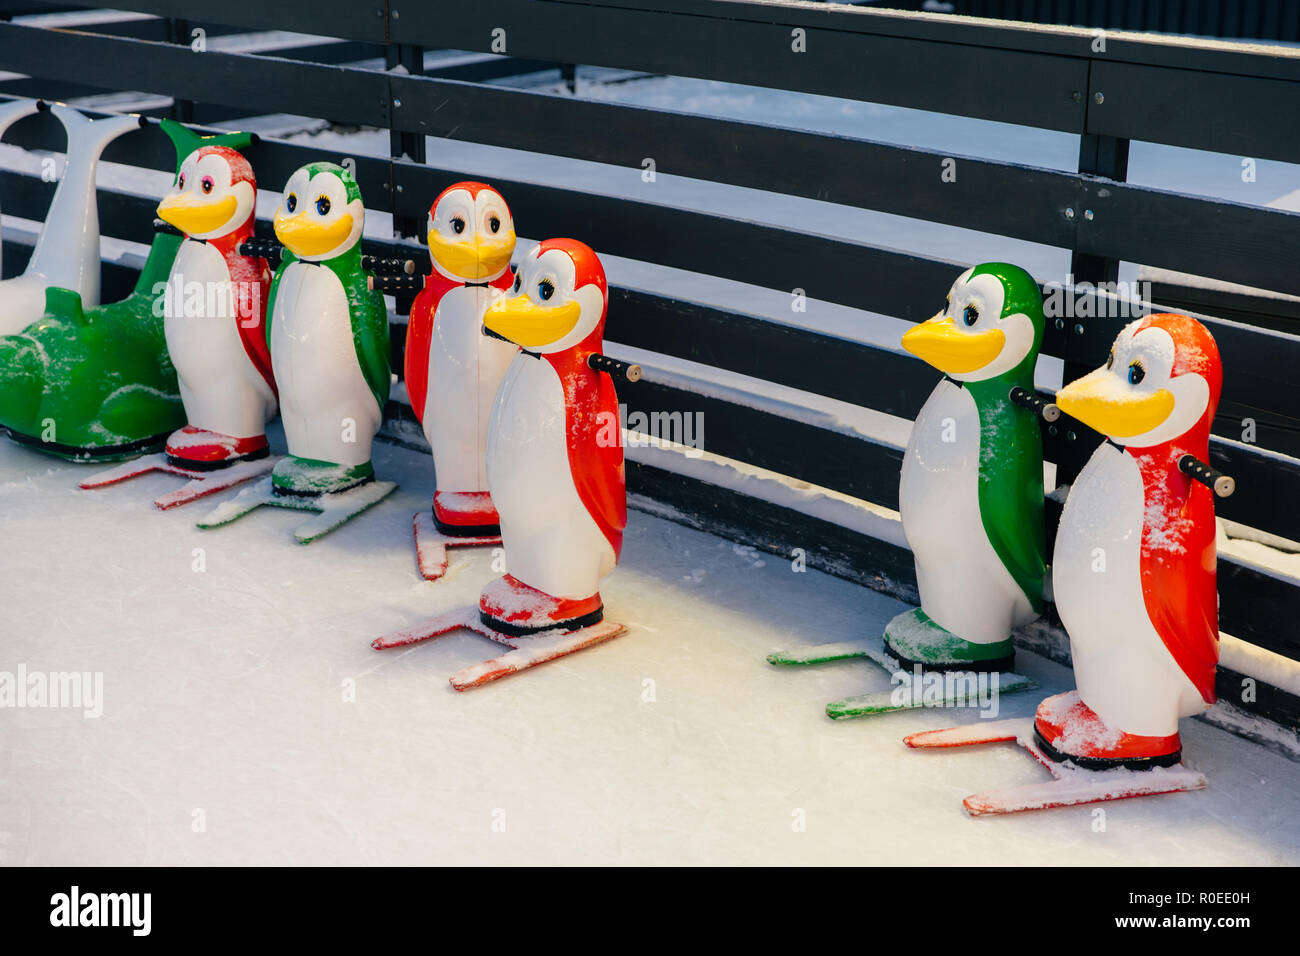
<point>328,336</point>
<point>556,476</point>
<point>1134,565</point>
<point>971,488</point>
<point>215,313</point>
<point>452,369</point>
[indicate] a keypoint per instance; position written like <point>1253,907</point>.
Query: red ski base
<point>1071,785</point>
<point>525,652</point>
<point>431,545</point>
<point>200,484</point>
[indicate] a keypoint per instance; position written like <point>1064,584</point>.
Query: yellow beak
<point>1102,402</point>
<point>307,238</point>
<point>938,342</point>
<point>472,258</point>
<point>532,326</point>
<point>194,216</point>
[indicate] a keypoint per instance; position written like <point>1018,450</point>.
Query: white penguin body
<point>466,368</point>
<point>329,412</point>
<point>965,588</point>
<point>551,541</point>
<point>221,388</point>
<point>1122,668</point>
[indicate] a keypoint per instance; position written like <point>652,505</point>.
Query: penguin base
<point>310,478</point>
<point>915,640</point>
<point>465,514</point>
<point>1068,730</point>
<point>515,609</point>
<point>199,449</point>
<point>525,651</point>
<point>431,545</point>
<point>200,484</point>
<point>1071,784</point>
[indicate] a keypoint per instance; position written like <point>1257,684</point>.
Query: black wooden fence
<point>1235,101</point>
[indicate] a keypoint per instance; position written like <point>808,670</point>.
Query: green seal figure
<point>971,489</point>
<point>97,384</point>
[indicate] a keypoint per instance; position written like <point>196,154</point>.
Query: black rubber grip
<point>1035,403</point>
<point>382,266</point>
<point>603,363</point>
<point>395,283</point>
<point>268,249</point>
<point>1221,484</point>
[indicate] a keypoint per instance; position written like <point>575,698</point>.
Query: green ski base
<point>333,509</point>
<point>937,689</point>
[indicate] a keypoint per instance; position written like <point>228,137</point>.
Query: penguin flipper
<point>287,258</point>
<point>597,464</point>
<point>1180,590</point>
<point>370,336</point>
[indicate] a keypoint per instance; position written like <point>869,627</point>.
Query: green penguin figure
<point>971,499</point>
<point>971,489</point>
<point>328,336</point>
<point>97,384</point>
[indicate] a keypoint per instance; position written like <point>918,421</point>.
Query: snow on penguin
<point>452,369</point>
<point>557,478</point>
<point>215,313</point>
<point>328,336</point>
<point>971,488</point>
<point>1134,564</point>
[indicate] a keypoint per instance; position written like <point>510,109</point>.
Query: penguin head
<point>214,194</point>
<point>559,299</point>
<point>992,325</point>
<point>471,233</point>
<point>1161,381</point>
<point>321,214</point>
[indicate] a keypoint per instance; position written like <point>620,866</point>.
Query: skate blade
<point>530,651</point>
<point>209,483</point>
<point>909,697</point>
<point>980,732</point>
<point>338,509</point>
<point>525,652</point>
<point>818,654</point>
<point>431,546</point>
<point>126,471</point>
<point>334,509</point>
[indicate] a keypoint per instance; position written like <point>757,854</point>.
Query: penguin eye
<point>291,203</point>
<point>458,225</point>
<point>323,206</point>
<point>206,184</point>
<point>494,224</point>
<point>518,283</point>
<point>180,183</point>
<point>1136,373</point>
<point>545,289</point>
<point>1110,359</point>
<point>970,315</point>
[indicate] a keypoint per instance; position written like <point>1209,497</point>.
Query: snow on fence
<point>753,486</point>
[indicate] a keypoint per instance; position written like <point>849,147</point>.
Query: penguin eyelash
<point>970,315</point>
<point>1110,359</point>
<point>1136,373</point>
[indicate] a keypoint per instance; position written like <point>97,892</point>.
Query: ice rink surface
<point>227,735</point>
